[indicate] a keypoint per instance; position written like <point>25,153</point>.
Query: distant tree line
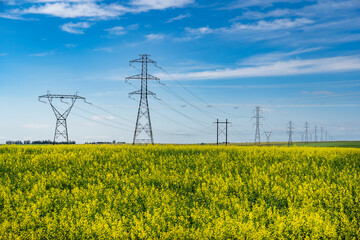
<point>37,142</point>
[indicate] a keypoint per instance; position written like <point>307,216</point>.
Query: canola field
<point>179,192</point>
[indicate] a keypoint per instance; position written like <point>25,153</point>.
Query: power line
<point>195,95</point>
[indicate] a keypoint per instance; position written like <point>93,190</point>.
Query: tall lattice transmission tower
<point>61,116</point>
<point>315,132</point>
<point>257,124</point>
<point>290,131</point>
<point>143,131</point>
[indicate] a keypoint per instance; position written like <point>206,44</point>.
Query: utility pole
<point>143,131</point>
<point>322,134</point>
<point>306,133</point>
<point>290,131</point>
<point>257,117</point>
<point>315,137</point>
<point>268,134</point>
<point>221,130</point>
<point>61,125</point>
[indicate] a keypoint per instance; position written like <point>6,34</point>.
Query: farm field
<point>343,144</point>
<point>178,192</point>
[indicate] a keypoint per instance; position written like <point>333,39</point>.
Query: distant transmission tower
<point>143,131</point>
<point>268,134</point>
<point>315,136</point>
<point>290,131</point>
<point>326,136</point>
<point>61,125</point>
<point>306,132</point>
<point>221,130</point>
<point>322,134</point>
<point>257,117</point>
<point>302,136</point>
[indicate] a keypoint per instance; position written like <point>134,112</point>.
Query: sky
<point>298,60</point>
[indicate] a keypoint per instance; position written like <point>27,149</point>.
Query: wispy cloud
<point>120,30</point>
<point>42,54</point>
<point>104,49</point>
<point>281,68</point>
<point>181,16</point>
<point>70,45</point>
<point>91,9</point>
<point>271,57</point>
<point>155,36</point>
<point>3,54</point>
<point>255,3</point>
<point>75,28</point>
<point>145,5</point>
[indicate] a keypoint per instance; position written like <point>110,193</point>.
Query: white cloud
<point>256,3</point>
<point>70,45</point>
<point>3,54</point>
<point>155,36</point>
<point>75,10</point>
<point>280,68</point>
<point>199,31</point>
<point>271,25</point>
<point>76,28</point>
<point>92,9</point>
<point>42,54</point>
<point>133,27</point>
<point>181,16</point>
<point>259,26</point>
<point>144,5</point>
<point>267,58</point>
<point>104,49</point>
<point>118,30</point>
<point>321,93</point>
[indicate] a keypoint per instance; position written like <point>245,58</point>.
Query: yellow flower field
<point>179,192</point>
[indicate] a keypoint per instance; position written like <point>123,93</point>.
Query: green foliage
<point>179,192</point>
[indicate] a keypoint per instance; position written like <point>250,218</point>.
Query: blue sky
<point>297,60</point>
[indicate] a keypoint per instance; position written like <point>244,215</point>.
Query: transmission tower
<point>221,130</point>
<point>257,117</point>
<point>268,134</point>
<point>326,136</point>
<point>306,133</point>
<point>61,125</point>
<point>290,131</point>
<point>322,134</point>
<point>315,136</point>
<point>302,136</point>
<point>143,131</point>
